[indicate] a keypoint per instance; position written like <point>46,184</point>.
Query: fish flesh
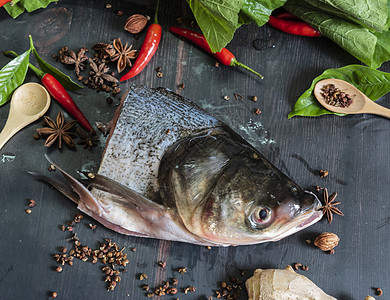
<point>172,171</point>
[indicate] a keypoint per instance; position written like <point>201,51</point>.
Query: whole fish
<point>172,171</point>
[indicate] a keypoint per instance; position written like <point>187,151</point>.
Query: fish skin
<point>172,171</point>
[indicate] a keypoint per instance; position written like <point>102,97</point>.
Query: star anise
<point>123,54</point>
<point>58,131</point>
<point>104,50</point>
<point>71,58</point>
<point>330,206</point>
<point>100,73</point>
<point>89,140</point>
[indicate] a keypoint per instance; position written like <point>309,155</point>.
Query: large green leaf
<point>372,83</point>
<point>372,48</point>
<point>218,20</point>
<point>373,14</point>
<point>258,11</point>
<point>65,80</point>
<point>13,75</point>
<point>18,7</point>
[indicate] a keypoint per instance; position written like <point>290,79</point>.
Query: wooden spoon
<point>361,103</point>
<point>29,102</point>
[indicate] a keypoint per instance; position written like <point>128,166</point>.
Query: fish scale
<point>137,132</point>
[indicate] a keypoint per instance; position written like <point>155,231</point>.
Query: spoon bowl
<point>361,103</point>
<point>29,102</point>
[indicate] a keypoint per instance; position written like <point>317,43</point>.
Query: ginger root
<point>279,284</point>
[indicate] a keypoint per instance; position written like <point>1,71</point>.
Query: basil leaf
<point>372,83</point>
<point>218,20</point>
<point>371,48</point>
<point>259,11</point>
<point>65,80</point>
<point>13,75</point>
<point>18,7</point>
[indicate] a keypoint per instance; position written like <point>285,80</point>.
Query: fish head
<point>254,202</point>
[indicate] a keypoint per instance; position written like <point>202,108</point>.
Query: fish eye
<point>261,215</point>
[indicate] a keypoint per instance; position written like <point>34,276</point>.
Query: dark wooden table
<point>354,149</point>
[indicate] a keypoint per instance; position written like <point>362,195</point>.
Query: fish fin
<point>144,206</point>
<point>85,196</point>
<point>65,189</point>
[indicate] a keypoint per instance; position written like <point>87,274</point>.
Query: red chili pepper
<point>3,2</point>
<point>148,49</point>
<point>225,57</point>
<point>293,27</point>
<point>58,92</point>
<point>287,16</point>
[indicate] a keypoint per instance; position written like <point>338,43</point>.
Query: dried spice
<point>324,173</point>
<point>378,291</point>
<point>32,203</point>
<point>69,57</point>
<point>28,211</point>
<point>123,54</point>
<point>182,270</point>
<point>326,241</point>
<point>136,23</point>
<point>103,50</point>
<point>330,206</point>
<point>257,111</point>
<point>334,96</point>
<point>58,131</point>
<point>254,98</point>
<point>88,140</point>
<point>99,73</point>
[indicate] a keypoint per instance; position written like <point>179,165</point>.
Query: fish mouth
<point>305,220</point>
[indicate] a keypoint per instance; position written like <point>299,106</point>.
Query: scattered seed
<point>162,264</point>
<point>59,269</point>
<point>92,226</point>
<point>297,265</point>
<point>182,270</point>
<point>119,13</point>
<point>28,211</point>
<point>32,203</point>
<point>223,284</point>
<point>146,287</point>
<point>143,276</point>
<point>149,295</point>
<point>216,64</point>
<point>254,98</point>
<point>324,173</point>
<point>62,227</point>
<point>108,6</point>
<point>54,295</point>
<point>181,86</point>
<point>378,291</point>
<point>227,98</point>
<point>208,247</point>
<point>158,69</point>
<point>91,175</point>
<point>159,74</point>
<point>308,241</point>
<point>175,281</point>
<point>133,249</point>
<point>257,111</point>
<point>305,268</point>
<point>36,136</point>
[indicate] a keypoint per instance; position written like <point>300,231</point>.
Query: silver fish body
<point>171,171</point>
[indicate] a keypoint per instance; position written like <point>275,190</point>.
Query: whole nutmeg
<point>136,23</point>
<point>326,241</point>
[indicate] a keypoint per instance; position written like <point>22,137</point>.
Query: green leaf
<point>259,11</point>
<point>373,14</point>
<point>18,7</point>
<point>13,75</point>
<point>372,83</point>
<point>65,80</point>
<point>372,48</point>
<point>218,20</point>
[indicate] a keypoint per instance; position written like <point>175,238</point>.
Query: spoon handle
<point>374,108</point>
<point>8,131</point>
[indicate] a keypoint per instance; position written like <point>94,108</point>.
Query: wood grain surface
<point>354,149</point>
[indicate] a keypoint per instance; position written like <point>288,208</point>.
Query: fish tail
<point>63,188</point>
<point>86,199</point>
